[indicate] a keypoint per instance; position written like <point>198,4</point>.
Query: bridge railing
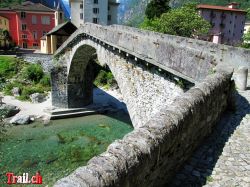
<point>190,58</point>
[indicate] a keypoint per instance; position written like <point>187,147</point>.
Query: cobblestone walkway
<point>223,160</point>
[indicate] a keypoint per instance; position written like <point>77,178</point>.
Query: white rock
<point>20,119</point>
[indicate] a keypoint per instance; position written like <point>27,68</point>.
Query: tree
<point>184,21</point>
<point>156,8</point>
<point>246,40</point>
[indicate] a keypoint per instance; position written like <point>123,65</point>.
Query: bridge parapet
<point>151,154</point>
<point>188,58</point>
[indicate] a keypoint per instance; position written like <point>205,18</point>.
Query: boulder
<point>20,119</point>
<point>37,98</point>
<point>16,91</point>
<point>9,110</point>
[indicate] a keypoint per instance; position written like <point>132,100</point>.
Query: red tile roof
<point>37,7</point>
<point>222,8</point>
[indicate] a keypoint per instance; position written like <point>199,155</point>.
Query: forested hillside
<point>9,3</point>
<point>132,11</point>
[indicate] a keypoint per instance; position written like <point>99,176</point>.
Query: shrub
<point>45,81</point>
<point>33,72</point>
<point>28,90</point>
<point>8,87</point>
<point>105,79</point>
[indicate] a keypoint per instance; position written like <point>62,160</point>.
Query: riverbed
<point>58,148</point>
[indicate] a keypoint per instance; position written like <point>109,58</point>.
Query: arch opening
<point>80,77</point>
<point>85,77</point>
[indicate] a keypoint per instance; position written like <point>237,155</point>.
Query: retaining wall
<point>44,59</point>
<point>151,154</point>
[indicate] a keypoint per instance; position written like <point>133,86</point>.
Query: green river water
<point>58,148</point>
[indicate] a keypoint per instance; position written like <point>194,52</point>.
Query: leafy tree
<point>246,40</point>
<point>156,8</point>
<point>184,21</point>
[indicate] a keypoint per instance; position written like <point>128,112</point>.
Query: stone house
<point>227,22</point>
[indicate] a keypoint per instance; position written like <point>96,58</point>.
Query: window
<point>61,16</point>
<point>24,27</point>
<point>81,6</point>
<point>35,44</point>
<point>45,20</point>
<point>35,35</point>
<point>95,20</point>
<point>96,10</point>
<point>81,15</point>
<point>95,1</point>
<point>109,17</point>
<point>44,33</point>
<point>34,20</point>
<point>222,25</point>
<point>24,36</point>
<point>230,22</point>
<point>23,15</point>
<point>0,22</point>
<point>229,31</point>
<point>25,45</point>
<point>5,22</point>
<point>108,7</point>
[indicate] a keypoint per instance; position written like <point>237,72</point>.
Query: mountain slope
<point>132,11</point>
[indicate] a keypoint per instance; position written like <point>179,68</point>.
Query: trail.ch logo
<point>24,179</point>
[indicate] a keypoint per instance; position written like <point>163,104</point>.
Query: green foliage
<point>183,21</point>
<point>33,72</point>
<point>156,8</point>
<point>105,79</point>
<point>28,90</point>
<point>8,87</point>
<point>13,71</point>
<point>246,40</point>
<point>45,81</point>
<point>9,66</point>
<point>10,3</point>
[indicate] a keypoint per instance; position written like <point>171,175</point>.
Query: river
<point>59,148</point>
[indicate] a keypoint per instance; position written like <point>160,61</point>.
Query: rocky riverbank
<point>26,112</point>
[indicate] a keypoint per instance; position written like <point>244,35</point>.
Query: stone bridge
<point>147,66</point>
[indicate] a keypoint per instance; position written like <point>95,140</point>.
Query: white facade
<point>103,12</point>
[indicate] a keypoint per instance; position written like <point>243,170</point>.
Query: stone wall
<point>151,154</point>
<point>44,59</point>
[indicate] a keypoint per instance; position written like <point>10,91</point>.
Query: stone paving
<point>223,160</point>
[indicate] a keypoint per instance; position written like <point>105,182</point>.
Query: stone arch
<point>80,77</point>
<point>144,89</point>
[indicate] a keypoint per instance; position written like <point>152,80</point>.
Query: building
<point>56,37</point>
<point>29,22</point>
<point>103,12</point>
<point>227,22</point>
<point>64,5</point>
<point>4,23</point>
